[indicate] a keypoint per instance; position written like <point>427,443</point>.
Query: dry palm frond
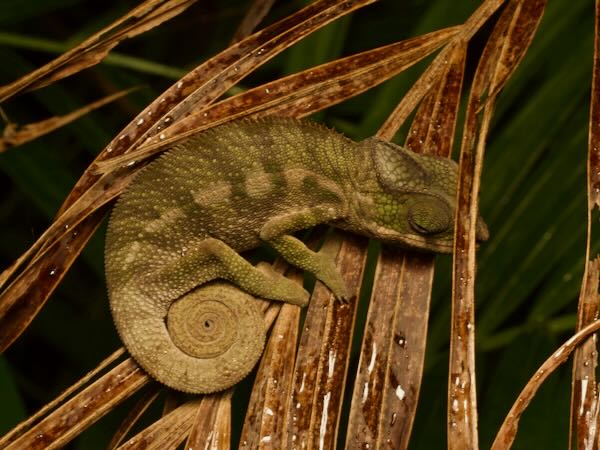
<point>298,395</point>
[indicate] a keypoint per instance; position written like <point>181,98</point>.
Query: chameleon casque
<point>186,216</point>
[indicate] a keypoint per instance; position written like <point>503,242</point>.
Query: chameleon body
<point>186,216</point>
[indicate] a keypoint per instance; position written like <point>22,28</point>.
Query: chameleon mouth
<point>416,242</point>
<point>430,244</point>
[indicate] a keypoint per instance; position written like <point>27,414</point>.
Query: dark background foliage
<point>533,194</point>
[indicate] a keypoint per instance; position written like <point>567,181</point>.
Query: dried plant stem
<point>584,389</point>
<point>211,427</point>
<point>146,16</point>
<point>149,396</point>
<point>314,404</point>
<point>585,395</point>
<point>296,95</point>
<point>15,135</point>
<point>35,418</point>
<point>387,386</point>
<point>265,415</point>
<point>256,12</point>
<point>462,393</point>
<point>169,431</point>
<point>508,430</point>
<point>69,419</point>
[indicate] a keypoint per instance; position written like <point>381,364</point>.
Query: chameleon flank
<point>187,215</point>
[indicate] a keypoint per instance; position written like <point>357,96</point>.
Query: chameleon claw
<point>343,295</point>
<point>346,300</point>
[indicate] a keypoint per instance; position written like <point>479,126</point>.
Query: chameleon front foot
<point>319,264</point>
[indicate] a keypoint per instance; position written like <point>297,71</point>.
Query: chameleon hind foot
<point>212,259</point>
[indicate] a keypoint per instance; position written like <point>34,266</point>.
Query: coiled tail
<point>205,341</point>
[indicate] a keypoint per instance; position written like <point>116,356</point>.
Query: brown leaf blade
<point>24,297</point>
<point>518,23</point>
<point>585,395</point>
<point>34,419</point>
<point>169,431</point>
<point>264,425</point>
<point>69,419</point>
<point>256,12</point>
<point>299,94</point>
<point>16,135</point>
<point>146,16</point>
<point>149,396</point>
<point>221,435</point>
<point>432,131</point>
<point>594,135</point>
<point>212,423</point>
<point>584,401</point>
<point>462,399</point>
<point>494,68</point>
<point>386,389</point>
<point>506,435</point>
<point>387,384</point>
<point>320,371</point>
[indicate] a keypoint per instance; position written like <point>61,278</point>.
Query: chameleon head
<point>410,199</point>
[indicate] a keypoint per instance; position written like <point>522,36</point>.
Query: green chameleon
<point>183,221</point>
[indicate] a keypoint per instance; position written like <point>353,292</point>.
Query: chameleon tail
<point>209,340</point>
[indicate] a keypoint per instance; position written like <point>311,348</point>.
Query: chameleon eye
<point>429,217</point>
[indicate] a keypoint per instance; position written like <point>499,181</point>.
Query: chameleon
<point>180,293</point>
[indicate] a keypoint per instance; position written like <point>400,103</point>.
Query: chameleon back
<point>223,183</point>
